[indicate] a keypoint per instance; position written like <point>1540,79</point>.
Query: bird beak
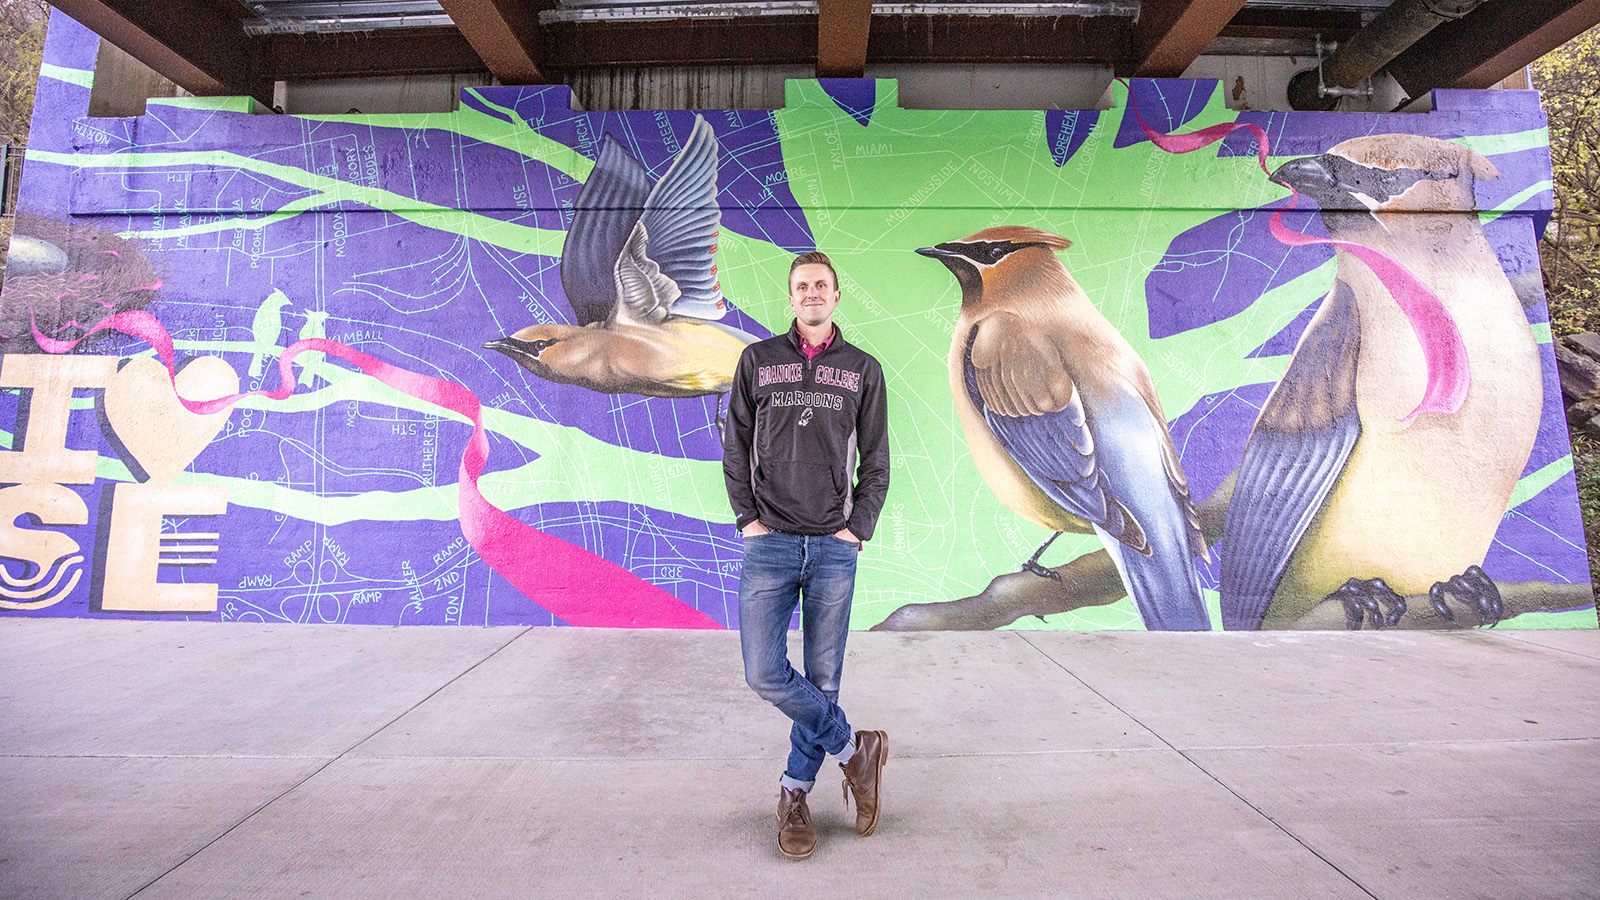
<point>1307,175</point>
<point>511,347</point>
<point>935,252</point>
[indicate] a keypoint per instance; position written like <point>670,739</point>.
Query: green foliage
<point>22,24</point>
<point>1568,79</point>
<point>1586,462</point>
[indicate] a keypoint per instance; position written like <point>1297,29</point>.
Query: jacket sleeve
<point>737,441</point>
<point>872,443</point>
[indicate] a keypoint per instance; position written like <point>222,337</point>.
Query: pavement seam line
<point>975,754</point>
<point>319,769</point>
<point>1515,636</point>
<point>1203,770</point>
<point>1209,748</point>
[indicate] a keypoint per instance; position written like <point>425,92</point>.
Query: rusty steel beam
<point>505,34</point>
<point>1171,33</point>
<point>1490,43</point>
<point>755,40</point>
<point>842,29</point>
<point>366,54</point>
<point>792,40</point>
<point>1283,24</point>
<point>200,45</point>
<point>1025,39</point>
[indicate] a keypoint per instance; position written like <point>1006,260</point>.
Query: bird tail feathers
<point>1164,586</point>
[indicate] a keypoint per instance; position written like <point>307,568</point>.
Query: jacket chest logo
<point>843,378</point>
<point>789,373</point>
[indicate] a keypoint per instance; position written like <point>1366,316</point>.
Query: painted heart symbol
<point>153,431</point>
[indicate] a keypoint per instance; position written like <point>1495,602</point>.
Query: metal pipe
<point>1399,26</point>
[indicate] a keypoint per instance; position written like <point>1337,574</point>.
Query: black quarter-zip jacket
<point>798,430</point>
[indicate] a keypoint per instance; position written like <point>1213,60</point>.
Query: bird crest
<point>1017,234</point>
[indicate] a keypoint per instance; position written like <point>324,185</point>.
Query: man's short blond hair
<point>814,258</point>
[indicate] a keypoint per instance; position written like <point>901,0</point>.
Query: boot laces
<point>797,811</point>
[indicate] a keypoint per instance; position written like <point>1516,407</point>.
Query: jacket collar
<point>832,342</point>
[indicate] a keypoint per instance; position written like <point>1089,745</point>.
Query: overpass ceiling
<point>214,47</point>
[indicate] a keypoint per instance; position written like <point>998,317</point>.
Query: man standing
<point>805,405</point>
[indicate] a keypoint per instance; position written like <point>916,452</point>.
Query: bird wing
<point>603,217</point>
<point>646,293</point>
<point>1019,381</point>
<point>1177,481</point>
<point>683,219</point>
<point>1295,455</point>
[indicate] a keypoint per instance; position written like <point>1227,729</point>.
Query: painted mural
<point>1161,366</point>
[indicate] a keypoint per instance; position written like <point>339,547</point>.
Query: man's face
<point>812,294</point>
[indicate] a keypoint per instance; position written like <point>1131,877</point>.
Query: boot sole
<point>788,855</point>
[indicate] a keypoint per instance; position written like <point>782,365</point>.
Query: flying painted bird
<point>1345,487</point>
<point>1063,422</point>
<point>639,267</point>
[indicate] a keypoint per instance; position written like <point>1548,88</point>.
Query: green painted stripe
<point>572,466</point>
<point>430,215</point>
<point>481,127</point>
<point>1515,201</point>
<point>1532,485</point>
<point>1541,331</point>
<point>229,223</point>
<point>1495,144</point>
<point>217,104</point>
<point>83,78</point>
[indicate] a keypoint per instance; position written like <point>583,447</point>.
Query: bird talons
<point>1474,588</point>
<point>1032,565</point>
<point>1041,571</point>
<point>1365,601</point>
<point>1436,597</point>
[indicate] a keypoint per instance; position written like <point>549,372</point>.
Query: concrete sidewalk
<point>165,760</point>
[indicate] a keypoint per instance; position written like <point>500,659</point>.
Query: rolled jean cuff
<point>795,784</point>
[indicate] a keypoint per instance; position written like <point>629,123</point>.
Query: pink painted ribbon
<point>569,581</point>
<point>1449,371</point>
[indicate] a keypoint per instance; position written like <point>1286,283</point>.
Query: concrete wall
<point>1229,413</point>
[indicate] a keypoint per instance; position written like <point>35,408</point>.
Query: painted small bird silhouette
<point>639,268</point>
<point>1346,488</point>
<point>1062,419</point>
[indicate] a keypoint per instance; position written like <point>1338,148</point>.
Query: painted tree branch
<point>1519,597</point>
<point>1089,580</point>
<point>1092,580</point>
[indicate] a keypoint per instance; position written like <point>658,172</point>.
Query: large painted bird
<point>1344,488</point>
<point>639,269</point>
<point>1062,419</point>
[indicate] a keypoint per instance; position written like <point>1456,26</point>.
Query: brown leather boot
<point>797,837</point>
<point>862,777</point>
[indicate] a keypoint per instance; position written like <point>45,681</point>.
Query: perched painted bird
<point>1062,418</point>
<point>639,268</point>
<point>1342,489</point>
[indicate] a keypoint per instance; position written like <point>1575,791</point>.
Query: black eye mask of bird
<point>988,253</point>
<point>1377,183</point>
<point>514,346</point>
<point>1334,181</point>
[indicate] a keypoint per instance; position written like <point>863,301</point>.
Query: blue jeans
<point>820,572</point>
